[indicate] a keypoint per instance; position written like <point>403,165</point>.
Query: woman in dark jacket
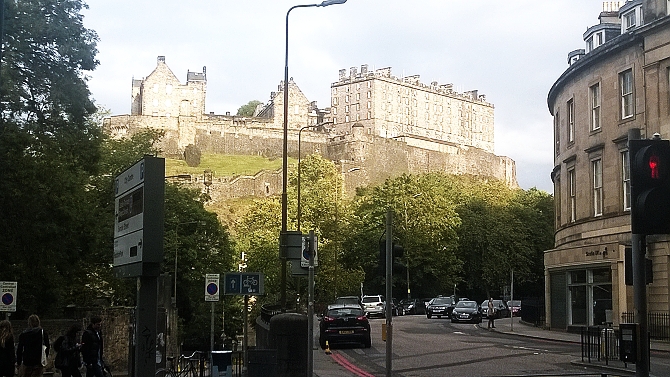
<point>67,358</point>
<point>7,355</point>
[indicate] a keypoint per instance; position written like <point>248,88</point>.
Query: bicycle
<point>186,366</point>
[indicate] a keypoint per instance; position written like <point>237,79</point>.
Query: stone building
<point>378,127</point>
<point>617,83</point>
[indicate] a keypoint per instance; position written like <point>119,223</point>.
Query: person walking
<point>490,313</point>
<point>29,350</point>
<point>7,355</point>
<point>68,359</point>
<point>91,348</point>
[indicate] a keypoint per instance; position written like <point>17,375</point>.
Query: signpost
<point>8,296</point>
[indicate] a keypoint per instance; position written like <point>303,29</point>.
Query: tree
<point>49,147</point>
<point>249,109</point>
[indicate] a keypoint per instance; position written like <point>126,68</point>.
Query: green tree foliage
<point>49,148</point>
<point>248,109</point>
<point>192,155</point>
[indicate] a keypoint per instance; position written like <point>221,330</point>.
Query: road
<point>436,347</point>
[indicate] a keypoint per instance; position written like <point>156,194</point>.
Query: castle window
<point>369,84</point>
<point>346,108</point>
<point>625,178</point>
<point>358,117</point>
<point>334,110</point>
<point>346,98</point>
<point>334,101</point>
<point>369,105</point>
<point>334,120</point>
<point>168,89</point>
<point>589,44</point>
<point>358,106</point>
<point>358,96</point>
<point>369,94</point>
<point>346,118</point>
<point>595,107</point>
<point>296,109</point>
<point>627,103</point>
<point>358,86</point>
<point>369,115</point>
<point>155,89</point>
<point>155,102</point>
<point>168,103</point>
<point>597,187</point>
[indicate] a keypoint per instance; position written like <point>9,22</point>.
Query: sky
<point>511,51</point>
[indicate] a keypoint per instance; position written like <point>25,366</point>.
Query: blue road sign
<point>243,283</point>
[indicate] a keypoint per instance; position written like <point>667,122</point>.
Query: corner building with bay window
<point>619,82</point>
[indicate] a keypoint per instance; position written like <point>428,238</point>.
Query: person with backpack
<point>29,351</point>
<point>91,348</point>
<point>67,353</point>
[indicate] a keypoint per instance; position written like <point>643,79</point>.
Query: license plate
<point>344,332</point>
<point>464,316</point>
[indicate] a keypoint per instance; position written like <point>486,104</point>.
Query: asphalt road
<point>436,347</point>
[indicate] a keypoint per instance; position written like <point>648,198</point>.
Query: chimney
<point>343,74</point>
<point>161,59</point>
<point>364,69</point>
<point>353,72</point>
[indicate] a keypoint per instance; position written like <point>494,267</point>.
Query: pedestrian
<point>92,346</point>
<point>490,313</point>
<point>7,355</point>
<point>29,350</point>
<point>68,359</point>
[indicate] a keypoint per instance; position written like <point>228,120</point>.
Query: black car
<point>413,306</point>
<point>439,307</point>
<point>466,311</point>
<point>500,309</point>
<point>344,324</point>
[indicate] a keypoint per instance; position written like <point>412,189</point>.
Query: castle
<point>377,126</point>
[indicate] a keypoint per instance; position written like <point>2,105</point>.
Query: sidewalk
<point>526,330</point>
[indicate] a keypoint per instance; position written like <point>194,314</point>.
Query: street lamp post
<point>284,202</point>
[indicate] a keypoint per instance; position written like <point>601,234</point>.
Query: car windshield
<point>345,312</point>
<point>347,300</point>
<point>441,301</point>
<point>371,299</point>
<point>466,304</point>
<point>514,303</point>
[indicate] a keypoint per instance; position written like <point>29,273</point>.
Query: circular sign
<point>212,288</point>
<point>7,298</point>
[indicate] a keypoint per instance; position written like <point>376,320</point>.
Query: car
<point>348,300</point>
<point>500,309</point>
<point>413,306</point>
<point>466,311</point>
<point>344,323</point>
<point>515,307</point>
<point>439,307</point>
<point>373,305</point>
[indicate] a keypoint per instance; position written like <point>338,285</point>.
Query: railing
<point>658,324</point>
<point>599,343</point>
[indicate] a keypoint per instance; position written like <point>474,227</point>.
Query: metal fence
<point>658,324</point>
<point>599,344</point>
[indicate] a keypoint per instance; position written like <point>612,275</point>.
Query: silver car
<point>373,305</point>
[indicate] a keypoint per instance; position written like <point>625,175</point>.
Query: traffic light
<point>398,252</point>
<point>650,186</point>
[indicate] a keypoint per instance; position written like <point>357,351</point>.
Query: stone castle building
<point>377,126</point>
<point>618,83</point>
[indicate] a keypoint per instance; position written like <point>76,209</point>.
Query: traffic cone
<point>327,348</point>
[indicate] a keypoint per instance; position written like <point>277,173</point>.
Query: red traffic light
<point>650,186</point>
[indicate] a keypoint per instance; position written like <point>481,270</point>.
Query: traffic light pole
<point>639,245</point>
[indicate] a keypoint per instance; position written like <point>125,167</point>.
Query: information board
<point>212,287</point>
<point>8,296</point>
<point>244,283</point>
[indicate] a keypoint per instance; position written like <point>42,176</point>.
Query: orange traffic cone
<point>327,348</point>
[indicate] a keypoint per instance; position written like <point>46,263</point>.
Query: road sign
<point>243,283</point>
<point>304,256</point>
<point>212,287</point>
<point>8,296</point>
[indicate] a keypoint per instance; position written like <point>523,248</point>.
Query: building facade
<point>378,126</point>
<point>618,84</point>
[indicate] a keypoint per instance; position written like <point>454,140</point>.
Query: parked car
<point>500,309</point>
<point>347,300</point>
<point>413,306</point>
<point>466,311</point>
<point>373,305</point>
<point>396,308</point>
<point>343,323</point>
<point>439,307</point>
<point>515,307</point>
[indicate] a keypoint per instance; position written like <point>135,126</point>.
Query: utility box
<point>628,342</point>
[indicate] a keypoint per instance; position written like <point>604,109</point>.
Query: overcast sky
<point>511,51</point>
